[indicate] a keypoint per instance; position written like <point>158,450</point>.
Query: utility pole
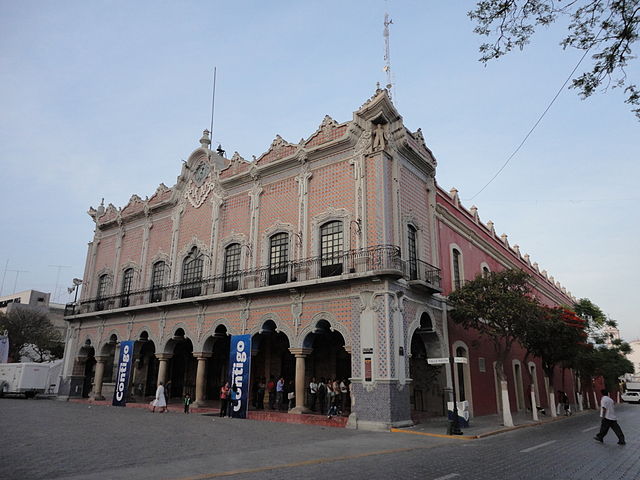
<point>387,54</point>
<point>17,272</point>
<point>6,265</point>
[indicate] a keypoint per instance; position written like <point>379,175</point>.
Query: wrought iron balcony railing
<point>382,259</point>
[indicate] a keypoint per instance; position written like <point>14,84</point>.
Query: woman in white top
<point>160,401</point>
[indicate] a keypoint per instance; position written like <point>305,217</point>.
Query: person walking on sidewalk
<point>224,398</point>
<point>160,401</point>
<point>186,402</point>
<point>609,419</point>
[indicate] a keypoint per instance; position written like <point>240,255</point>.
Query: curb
<point>487,434</point>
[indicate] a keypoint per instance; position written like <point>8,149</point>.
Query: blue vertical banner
<point>239,375</point>
<point>122,377</point>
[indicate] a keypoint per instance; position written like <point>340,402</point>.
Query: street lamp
<point>76,283</point>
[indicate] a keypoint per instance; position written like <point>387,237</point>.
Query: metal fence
<point>382,259</point>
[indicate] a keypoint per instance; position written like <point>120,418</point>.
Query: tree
<point>556,336</point>
<point>611,364</point>
<point>496,305</point>
<point>596,322</point>
<point>31,334</point>
<point>607,28</point>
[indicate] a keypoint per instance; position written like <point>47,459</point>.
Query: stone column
<point>201,378</point>
<point>162,368</point>
<point>97,381</point>
<point>300,354</point>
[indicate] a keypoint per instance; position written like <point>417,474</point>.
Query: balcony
<point>372,261</point>
<point>423,275</point>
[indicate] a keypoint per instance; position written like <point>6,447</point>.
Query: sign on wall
<point>239,374</point>
<point>122,377</point>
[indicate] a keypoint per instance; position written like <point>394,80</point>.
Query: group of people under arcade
<point>325,396</point>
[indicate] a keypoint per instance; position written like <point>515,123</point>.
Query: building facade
<point>333,253</point>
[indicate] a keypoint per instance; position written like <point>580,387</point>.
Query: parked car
<point>631,397</point>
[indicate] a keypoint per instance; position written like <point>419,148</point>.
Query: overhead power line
<point>534,125</point>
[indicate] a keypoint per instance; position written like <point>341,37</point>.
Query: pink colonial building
<point>468,248</point>
<point>334,254</point>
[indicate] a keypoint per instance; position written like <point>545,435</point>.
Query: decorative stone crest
<point>198,194</point>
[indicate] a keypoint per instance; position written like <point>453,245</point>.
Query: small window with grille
<point>457,273</point>
<point>157,282</point>
<point>231,267</point>
<point>192,274</point>
<point>413,254</point>
<point>278,258</point>
<point>125,293</point>
<point>102,292</point>
<point>331,249</point>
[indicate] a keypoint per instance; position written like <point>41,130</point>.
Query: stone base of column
<point>380,405</point>
<point>197,404</point>
<point>100,397</point>
<point>299,410</point>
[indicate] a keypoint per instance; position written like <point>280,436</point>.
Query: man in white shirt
<point>313,392</point>
<point>609,419</point>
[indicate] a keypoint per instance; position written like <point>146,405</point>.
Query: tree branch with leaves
<point>608,28</point>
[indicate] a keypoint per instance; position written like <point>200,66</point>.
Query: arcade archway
<point>270,359</point>
<point>428,386</point>
<point>181,367</point>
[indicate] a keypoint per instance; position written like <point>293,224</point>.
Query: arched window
<point>331,247</point>
<point>192,274</point>
<point>157,282</point>
<point>457,271</point>
<point>413,252</point>
<point>127,281</point>
<point>278,258</point>
<point>485,271</point>
<point>103,291</point>
<point>231,267</point>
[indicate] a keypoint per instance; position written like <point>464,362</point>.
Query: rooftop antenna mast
<point>213,102</point>
<point>387,55</point>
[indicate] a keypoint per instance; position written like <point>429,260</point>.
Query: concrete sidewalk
<point>480,427</point>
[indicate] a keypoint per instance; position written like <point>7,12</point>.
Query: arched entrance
<point>217,365</point>
<point>104,368</point>
<point>145,368</point>
<point>427,389</point>
<point>270,359</point>
<point>328,359</point>
<point>182,366</point>
<point>86,366</point>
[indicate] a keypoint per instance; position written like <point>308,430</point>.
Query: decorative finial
<point>205,141</point>
<point>101,207</point>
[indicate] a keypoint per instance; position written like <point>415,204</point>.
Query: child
<point>187,402</point>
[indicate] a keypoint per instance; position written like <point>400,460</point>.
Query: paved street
<point>45,439</point>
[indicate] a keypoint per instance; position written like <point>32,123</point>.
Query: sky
<point>104,99</point>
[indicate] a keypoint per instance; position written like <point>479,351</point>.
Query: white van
<point>631,397</point>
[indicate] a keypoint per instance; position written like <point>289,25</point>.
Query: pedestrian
<point>291,394</point>
<point>160,400</point>
<point>271,390</point>
<point>186,402</point>
<point>313,392</point>
<point>337,395</point>
<point>564,398</point>
<point>344,395</point>
<point>224,399</point>
<point>609,419</point>
<point>233,401</point>
<point>322,395</point>
<point>280,393</point>
<point>261,389</point>
<point>333,402</point>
